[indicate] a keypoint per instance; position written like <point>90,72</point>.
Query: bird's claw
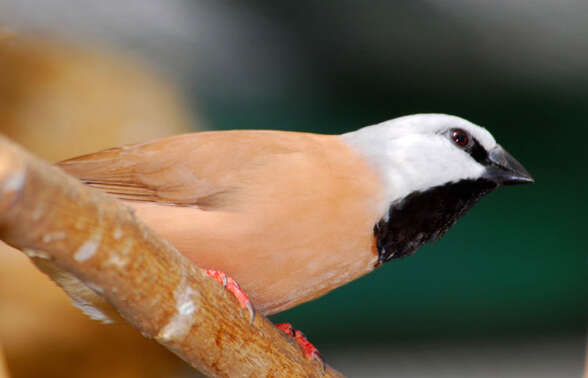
<point>233,287</point>
<point>310,351</point>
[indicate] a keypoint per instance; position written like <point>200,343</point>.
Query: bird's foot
<point>310,351</point>
<point>233,287</point>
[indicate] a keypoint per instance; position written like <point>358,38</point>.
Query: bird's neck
<point>424,216</point>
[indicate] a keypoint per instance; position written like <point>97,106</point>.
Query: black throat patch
<point>422,217</point>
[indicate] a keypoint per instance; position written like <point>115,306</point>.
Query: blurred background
<point>503,294</point>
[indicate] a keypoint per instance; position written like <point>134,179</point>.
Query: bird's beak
<point>505,169</point>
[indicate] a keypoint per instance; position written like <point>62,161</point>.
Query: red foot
<point>310,351</point>
<point>286,328</point>
<point>232,286</point>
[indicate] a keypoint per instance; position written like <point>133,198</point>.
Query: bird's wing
<point>198,169</point>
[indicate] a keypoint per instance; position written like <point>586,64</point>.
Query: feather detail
<point>170,171</point>
<point>86,299</point>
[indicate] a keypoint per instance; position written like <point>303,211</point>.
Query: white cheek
<point>410,160</point>
<point>417,165</point>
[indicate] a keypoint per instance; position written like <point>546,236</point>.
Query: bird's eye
<point>460,137</point>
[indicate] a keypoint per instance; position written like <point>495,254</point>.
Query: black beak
<point>506,170</point>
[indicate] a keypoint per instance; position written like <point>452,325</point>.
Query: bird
<point>289,216</point>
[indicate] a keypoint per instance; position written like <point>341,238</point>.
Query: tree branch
<point>156,289</point>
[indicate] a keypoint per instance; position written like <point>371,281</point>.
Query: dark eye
<point>460,137</point>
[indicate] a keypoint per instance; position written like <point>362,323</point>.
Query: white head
<point>418,152</point>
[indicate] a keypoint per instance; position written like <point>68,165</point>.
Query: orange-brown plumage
<point>289,215</point>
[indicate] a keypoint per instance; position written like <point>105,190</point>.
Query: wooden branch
<point>156,289</point>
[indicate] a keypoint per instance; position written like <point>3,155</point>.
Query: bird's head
<point>418,152</point>
<point>434,168</point>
